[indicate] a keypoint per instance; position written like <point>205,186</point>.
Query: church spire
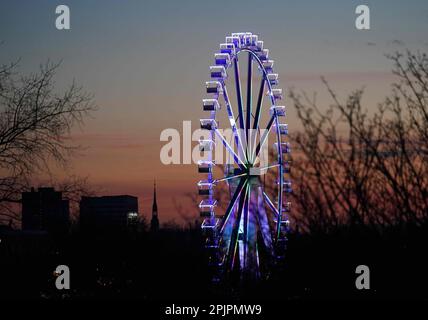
<point>154,225</point>
<point>155,205</point>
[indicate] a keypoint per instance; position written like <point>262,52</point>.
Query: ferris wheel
<point>246,234</point>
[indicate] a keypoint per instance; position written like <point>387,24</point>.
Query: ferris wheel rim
<point>240,201</point>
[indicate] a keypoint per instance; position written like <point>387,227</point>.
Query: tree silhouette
<point>355,169</point>
<point>34,125</point>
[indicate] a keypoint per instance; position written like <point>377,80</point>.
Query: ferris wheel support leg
<point>244,254</point>
<point>231,257</point>
<point>230,219</point>
<point>251,265</point>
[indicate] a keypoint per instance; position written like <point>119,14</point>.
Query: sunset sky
<point>146,63</point>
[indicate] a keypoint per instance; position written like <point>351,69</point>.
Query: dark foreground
<point>169,267</point>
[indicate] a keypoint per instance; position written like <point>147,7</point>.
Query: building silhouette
<point>154,224</point>
<point>45,210</point>
<point>108,213</point>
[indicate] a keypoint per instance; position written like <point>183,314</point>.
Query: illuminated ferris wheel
<point>245,234</point>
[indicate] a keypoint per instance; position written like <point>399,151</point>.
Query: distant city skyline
<point>146,63</point>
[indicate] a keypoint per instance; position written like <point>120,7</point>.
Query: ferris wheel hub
<point>256,171</point>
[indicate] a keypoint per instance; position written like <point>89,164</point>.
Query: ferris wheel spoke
<point>239,94</point>
<point>236,132</point>
<point>257,118</point>
<point>259,103</point>
<point>270,203</point>
<point>263,169</point>
<point>230,178</point>
<point>237,159</point>
<point>232,203</point>
<point>249,94</point>
<point>263,221</point>
<point>263,137</point>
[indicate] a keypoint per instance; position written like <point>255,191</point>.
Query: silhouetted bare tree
<point>354,168</point>
<point>34,125</point>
